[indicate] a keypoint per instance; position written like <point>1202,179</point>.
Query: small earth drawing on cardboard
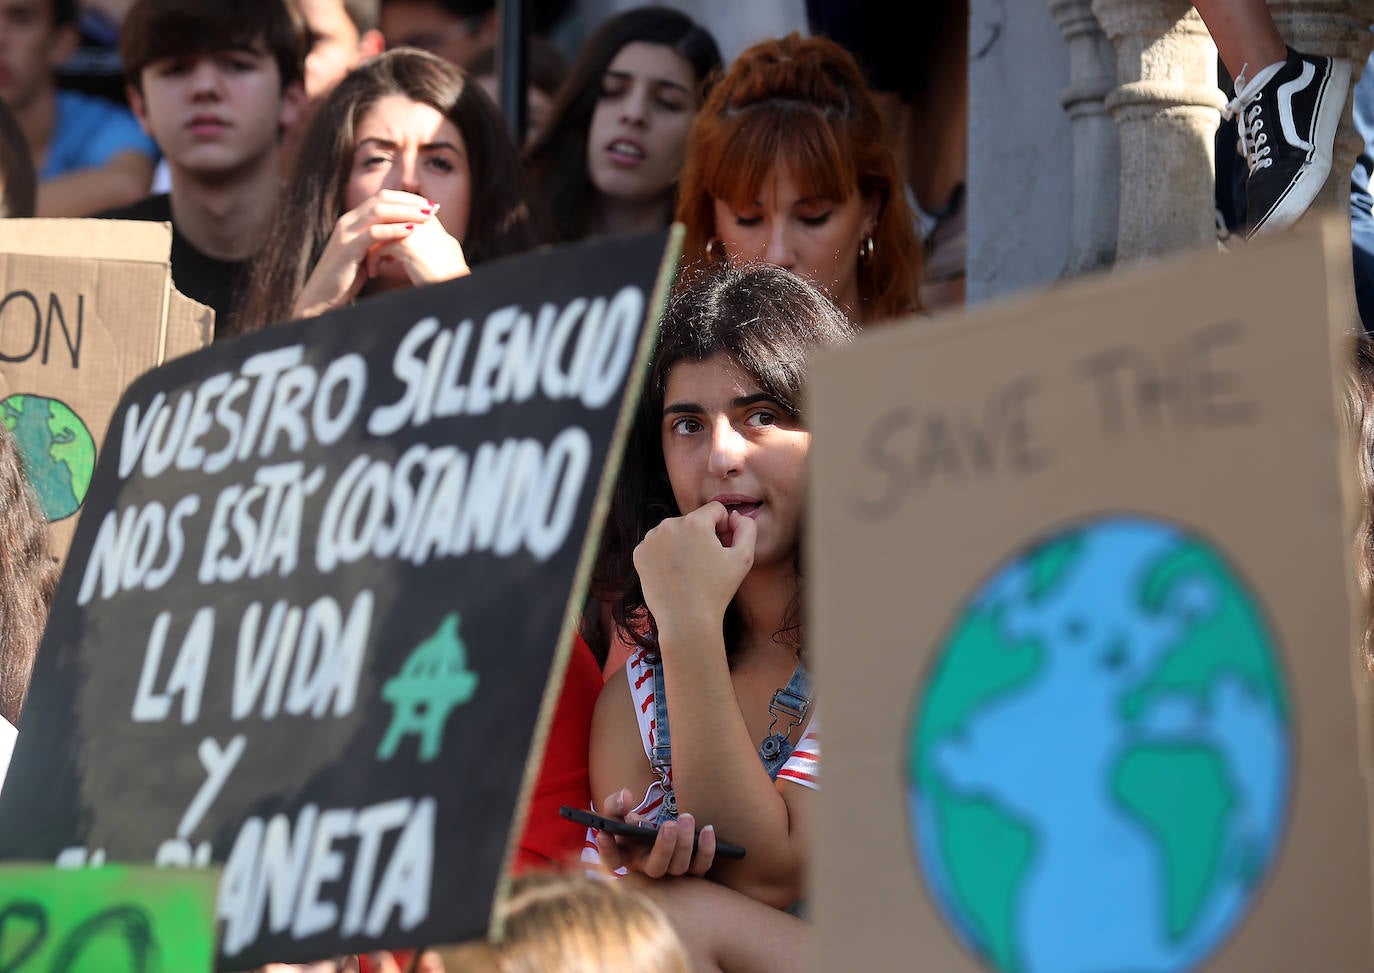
<point>56,448</point>
<point>1100,762</point>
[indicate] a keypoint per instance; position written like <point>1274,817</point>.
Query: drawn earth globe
<point>56,448</point>
<point>1099,764</point>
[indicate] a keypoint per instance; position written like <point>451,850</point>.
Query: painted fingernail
<point>410,226</point>
<point>427,210</point>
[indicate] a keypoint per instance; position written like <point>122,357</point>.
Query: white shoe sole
<point>1304,189</point>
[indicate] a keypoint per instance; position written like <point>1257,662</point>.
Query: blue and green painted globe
<point>1100,761</point>
<point>57,449</point>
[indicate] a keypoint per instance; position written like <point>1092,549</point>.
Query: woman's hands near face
<point>427,254</point>
<point>388,219</point>
<point>687,572</point>
<point>671,851</point>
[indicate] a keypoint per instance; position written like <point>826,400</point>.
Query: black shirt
<point>199,276</point>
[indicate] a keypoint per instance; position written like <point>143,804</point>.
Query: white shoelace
<point>1246,109</point>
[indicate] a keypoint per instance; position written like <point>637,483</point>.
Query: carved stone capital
<point>1092,76</point>
<point>1166,108</point>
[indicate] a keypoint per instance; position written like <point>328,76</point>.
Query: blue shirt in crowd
<point>90,131</point>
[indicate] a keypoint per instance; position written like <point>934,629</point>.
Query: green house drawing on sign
<point>434,680</point>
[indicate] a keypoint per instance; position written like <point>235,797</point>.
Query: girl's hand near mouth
<point>690,567</point>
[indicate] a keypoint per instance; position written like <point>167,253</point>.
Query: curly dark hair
<point>767,321</point>
<point>28,577</point>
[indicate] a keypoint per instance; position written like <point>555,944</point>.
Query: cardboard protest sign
<point>311,611</point>
<point>111,919</point>
<point>86,306</point>
<point>1078,582</point>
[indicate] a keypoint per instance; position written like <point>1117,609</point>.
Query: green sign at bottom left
<point>115,919</point>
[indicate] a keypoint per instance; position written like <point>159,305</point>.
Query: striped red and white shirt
<point>802,767</point>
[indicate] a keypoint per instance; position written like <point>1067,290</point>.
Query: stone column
<point>1020,149</point>
<point>1166,107</point>
<point>1096,160</point>
<point>1334,28</point>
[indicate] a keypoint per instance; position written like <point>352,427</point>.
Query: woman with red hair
<point>788,162</point>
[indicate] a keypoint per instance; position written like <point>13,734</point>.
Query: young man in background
<point>340,34</point>
<point>89,153</point>
<point>216,83</point>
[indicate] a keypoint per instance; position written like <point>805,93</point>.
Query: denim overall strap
<point>661,760</point>
<point>790,702</point>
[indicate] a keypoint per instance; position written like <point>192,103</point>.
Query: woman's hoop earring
<point>711,250</point>
<point>866,249</point>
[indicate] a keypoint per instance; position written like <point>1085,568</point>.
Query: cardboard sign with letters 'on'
<point>1079,594</point>
<point>86,306</point>
<point>314,609</point>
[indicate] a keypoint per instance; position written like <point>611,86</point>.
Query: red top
<point>549,838</point>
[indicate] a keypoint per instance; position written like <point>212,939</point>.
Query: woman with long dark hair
<point>407,176</point>
<point>701,563</point>
<point>609,156</point>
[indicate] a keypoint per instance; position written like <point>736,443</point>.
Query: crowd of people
<point>310,153</point>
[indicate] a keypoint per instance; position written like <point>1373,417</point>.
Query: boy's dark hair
<point>363,13</point>
<point>157,29</point>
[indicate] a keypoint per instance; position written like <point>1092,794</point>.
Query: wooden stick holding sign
<point>116,918</point>
<point>312,624</point>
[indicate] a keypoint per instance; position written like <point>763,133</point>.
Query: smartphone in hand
<point>638,832</point>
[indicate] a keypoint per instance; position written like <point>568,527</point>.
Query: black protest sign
<point>311,608</point>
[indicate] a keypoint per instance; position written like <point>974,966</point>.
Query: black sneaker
<point>1287,117</point>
